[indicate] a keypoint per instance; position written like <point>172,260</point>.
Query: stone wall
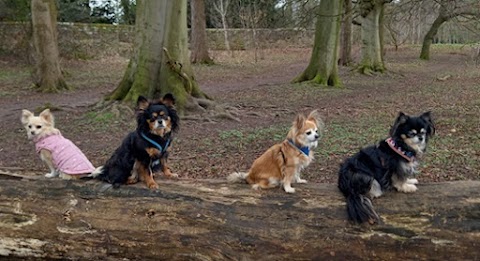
<point>89,41</point>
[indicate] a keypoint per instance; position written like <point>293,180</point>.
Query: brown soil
<point>357,115</point>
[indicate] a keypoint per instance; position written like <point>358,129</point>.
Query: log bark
<point>213,220</point>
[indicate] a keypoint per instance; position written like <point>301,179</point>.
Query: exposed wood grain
<point>212,220</point>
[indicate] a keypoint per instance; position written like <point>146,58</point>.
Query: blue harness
<point>154,143</point>
<point>159,147</point>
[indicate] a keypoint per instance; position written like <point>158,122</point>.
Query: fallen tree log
<point>213,220</point>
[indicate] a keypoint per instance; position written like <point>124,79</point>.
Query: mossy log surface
<point>213,220</point>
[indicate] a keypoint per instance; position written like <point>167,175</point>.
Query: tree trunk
<point>346,36</point>
<point>225,33</point>
<point>432,32</point>
<point>381,32</point>
<point>160,61</point>
<point>371,60</point>
<point>199,34</point>
<point>222,9</point>
<point>47,75</point>
<point>448,11</point>
<point>213,220</point>
<point>323,66</point>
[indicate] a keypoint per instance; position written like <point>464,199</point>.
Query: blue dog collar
<point>305,150</point>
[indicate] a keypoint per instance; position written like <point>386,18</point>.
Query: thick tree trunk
<point>199,49</point>
<point>160,61</point>
<point>212,220</point>
<point>432,32</point>
<point>47,75</point>
<point>371,60</point>
<point>346,35</point>
<point>323,66</point>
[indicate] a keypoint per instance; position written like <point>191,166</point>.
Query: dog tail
<point>355,184</point>
<point>237,177</point>
<point>97,172</point>
<point>360,209</point>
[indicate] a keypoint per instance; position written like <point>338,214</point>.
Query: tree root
<point>200,109</point>
<point>227,115</point>
<point>117,108</point>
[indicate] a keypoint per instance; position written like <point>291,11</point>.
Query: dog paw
<point>51,175</point>
<point>131,180</point>
<point>289,189</point>
<point>376,193</point>
<point>169,173</point>
<point>408,188</point>
<point>412,181</point>
<point>153,186</point>
<point>301,180</point>
<point>172,175</point>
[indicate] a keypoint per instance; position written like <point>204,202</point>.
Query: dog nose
<point>420,138</point>
<point>316,136</point>
<point>32,132</point>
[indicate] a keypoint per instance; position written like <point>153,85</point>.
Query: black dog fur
<point>134,148</point>
<point>384,165</point>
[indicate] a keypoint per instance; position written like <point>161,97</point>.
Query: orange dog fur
<point>283,162</point>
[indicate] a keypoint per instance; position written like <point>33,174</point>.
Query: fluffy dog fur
<point>391,163</point>
<point>144,151</point>
<point>61,155</point>
<point>283,162</point>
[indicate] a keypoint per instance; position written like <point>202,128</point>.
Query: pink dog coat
<point>67,157</point>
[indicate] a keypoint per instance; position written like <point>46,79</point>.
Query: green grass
<point>99,120</point>
<point>346,137</point>
<point>245,137</point>
<point>6,93</point>
<point>102,118</point>
<point>9,74</point>
<point>339,137</point>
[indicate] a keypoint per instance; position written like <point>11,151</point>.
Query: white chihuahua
<point>61,155</point>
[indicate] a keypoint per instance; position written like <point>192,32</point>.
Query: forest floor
<point>357,115</point>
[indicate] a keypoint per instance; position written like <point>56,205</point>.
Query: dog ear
<point>401,119</point>
<point>299,121</point>
<point>142,103</point>
<point>316,117</point>
<point>26,114</point>
<point>168,100</point>
<point>47,116</point>
<point>427,117</point>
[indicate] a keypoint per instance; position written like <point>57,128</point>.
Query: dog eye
<point>29,126</point>
<point>309,132</point>
<point>39,126</point>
